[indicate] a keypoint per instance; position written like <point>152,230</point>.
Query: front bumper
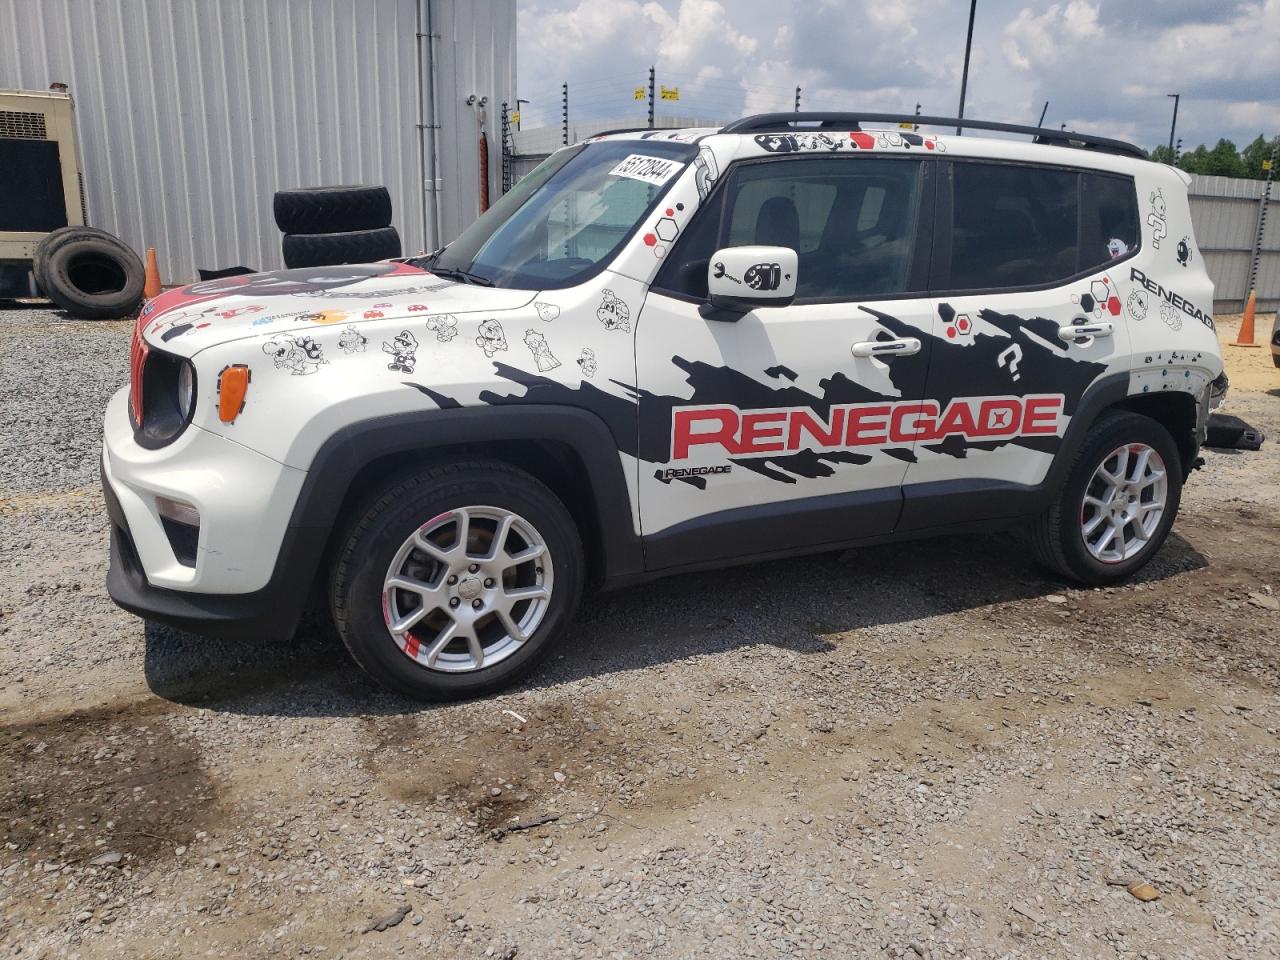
<point>245,502</point>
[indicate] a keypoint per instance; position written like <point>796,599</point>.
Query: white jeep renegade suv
<point>664,351</point>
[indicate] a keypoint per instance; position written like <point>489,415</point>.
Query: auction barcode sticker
<point>653,170</point>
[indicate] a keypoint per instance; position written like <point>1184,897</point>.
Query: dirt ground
<point>926,750</point>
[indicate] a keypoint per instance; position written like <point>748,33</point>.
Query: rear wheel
<point>455,581</point>
<point>1118,503</point>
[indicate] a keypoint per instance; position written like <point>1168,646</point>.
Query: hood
<point>188,319</point>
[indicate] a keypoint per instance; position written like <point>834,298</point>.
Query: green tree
<point>1255,153</point>
<point>1162,154</point>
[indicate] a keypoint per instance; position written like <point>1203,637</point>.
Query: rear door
<point>1022,251</point>
<point>777,431</point>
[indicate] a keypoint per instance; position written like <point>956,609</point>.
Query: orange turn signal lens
<point>233,385</point>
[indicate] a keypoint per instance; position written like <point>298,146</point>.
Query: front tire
<point>455,581</point>
<point>1118,503</point>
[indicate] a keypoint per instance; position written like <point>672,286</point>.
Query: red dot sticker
<point>650,239</point>
<point>670,212</point>
<point>951,332</point>
<point>963,324</point>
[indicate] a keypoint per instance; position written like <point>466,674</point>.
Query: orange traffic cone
<point>1245,337</point>
<point>151,288</point>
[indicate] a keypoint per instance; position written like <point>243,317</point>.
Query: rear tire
<point>1068,536</point>
<point>410,532</point>
<point>328,249</point>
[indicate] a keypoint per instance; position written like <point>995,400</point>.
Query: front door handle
<point>1075,332</point>
<point>904,347</point>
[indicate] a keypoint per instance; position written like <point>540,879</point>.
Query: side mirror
<point>742,278</point>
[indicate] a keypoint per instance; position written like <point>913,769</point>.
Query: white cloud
<point>1104,67</point>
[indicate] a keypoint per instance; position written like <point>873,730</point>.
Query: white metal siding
<point>191,113</point>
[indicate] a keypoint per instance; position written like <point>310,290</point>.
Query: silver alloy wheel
<point>1123,503</point>
<point>467,589</point>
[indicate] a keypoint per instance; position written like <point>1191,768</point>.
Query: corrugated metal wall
<point>191,113</point>
<point>1224,212</point>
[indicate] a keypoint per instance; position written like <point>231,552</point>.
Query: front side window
<point>567,219</point>
<point>1012,226</point>
<point>851,221</point>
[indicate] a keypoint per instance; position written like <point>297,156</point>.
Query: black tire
<point>327,249</point>
<point>92,275</point>
<point>46,246</point>
<point>1055,536</point>
<point>332,209</point>
<point>388,518</point>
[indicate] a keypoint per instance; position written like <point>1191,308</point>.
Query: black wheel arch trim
<point>276,608</point>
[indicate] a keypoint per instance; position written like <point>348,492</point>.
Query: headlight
<point>168,399</point>
<point>186,389</point>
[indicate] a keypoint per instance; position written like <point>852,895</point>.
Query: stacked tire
<point>91,274</point>
<point>330,225</point>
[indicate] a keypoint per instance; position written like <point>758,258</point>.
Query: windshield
<point>565,221</point>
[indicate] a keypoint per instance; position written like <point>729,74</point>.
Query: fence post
<point>1260,232</point>
<point>564,116</point>
<point>506,148</point>
<point>651,71</point>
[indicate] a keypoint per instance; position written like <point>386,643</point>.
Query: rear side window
<point>1013,226</point>
<point>1111,228</point>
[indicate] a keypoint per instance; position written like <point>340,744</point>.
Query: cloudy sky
<point>1104,66</point>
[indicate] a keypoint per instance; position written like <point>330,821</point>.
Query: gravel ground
<point>927,750</point>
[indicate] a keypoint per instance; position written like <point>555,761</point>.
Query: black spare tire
<point>355,246</point>
<point>332,209</point>
<point>91,274</point>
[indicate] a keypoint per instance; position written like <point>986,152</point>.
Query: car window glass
<point>1116,231</point>
<point>850,221</point>
<point>1013,226</point>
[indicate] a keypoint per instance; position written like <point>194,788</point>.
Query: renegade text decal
<point>1172,299</point>
<point>863,424</point>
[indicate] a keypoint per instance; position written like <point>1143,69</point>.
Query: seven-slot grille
<point>137,361</point>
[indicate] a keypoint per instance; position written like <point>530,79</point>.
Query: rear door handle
<point>1084,331</point>
<point>904,347</point>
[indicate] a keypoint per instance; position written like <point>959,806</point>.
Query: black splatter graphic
<point>640,421</point>
<point>780,371</point>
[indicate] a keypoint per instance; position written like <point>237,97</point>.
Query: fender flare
<point>354,446</point>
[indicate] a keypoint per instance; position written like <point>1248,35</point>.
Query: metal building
<point>191,114</point>
<point>1235,230</point>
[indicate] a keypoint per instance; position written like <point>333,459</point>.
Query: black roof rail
<point>784,122</point>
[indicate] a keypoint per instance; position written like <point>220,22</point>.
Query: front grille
<point>21,125</point>
<point>137,362</point>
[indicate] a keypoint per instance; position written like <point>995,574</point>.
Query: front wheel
<point>1117,505</point>
<point>454,581</point>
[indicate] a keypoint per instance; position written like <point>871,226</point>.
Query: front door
<point>791,426</point>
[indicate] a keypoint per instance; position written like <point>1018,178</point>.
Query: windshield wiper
<point>461,275</point>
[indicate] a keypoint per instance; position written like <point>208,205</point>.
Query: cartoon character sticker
<point>491,338</point>
<point>1117,247</point>
<point>705,172</point>
<point>613,313</point>
<point>546,311</point>
<point>542,355</point>
<point>301,356</point>
<point>352,340</point>
<point>1184,251</point>
<point>444,326</point>
<point>1137,305</point>
<point>1156,218</point>
<point>587,361</point>
<point>404,352</point>
<point>1170,315</point>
